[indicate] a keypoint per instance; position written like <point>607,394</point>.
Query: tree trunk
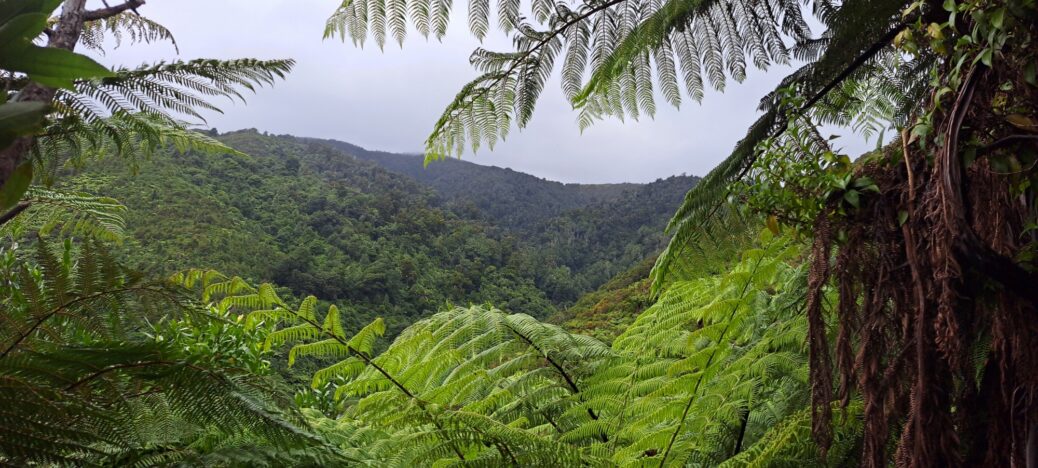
<point>1032,446</point>
<point>65,36</point>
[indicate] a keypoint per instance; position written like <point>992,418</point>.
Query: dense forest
<point>502,196</point>
<point>587,233</point>
<point>170,295</point>
<point>321,222</point>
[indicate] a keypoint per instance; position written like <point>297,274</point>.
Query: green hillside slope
<point>365,237</point>
<point>504,197</point>
<point>583,234</point>
<point>319,221</point>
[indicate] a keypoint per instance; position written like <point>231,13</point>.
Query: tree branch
<point>1006,141</point>
<point>108,12</point>
<point>65,34</point>
<point>13,212</point>
<point>113,368</point>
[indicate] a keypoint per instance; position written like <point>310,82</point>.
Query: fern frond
<point>80,385</point>
<point>68,213</point>
<point>127,26</point>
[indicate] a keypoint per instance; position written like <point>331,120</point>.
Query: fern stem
<point>695,390</point>
<point>113,368</point>
<point>622,417</point>
<point>55,311</point>
<point>742,433</point>
<point>558,368</point>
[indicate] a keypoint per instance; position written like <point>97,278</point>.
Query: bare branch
<point>17,210</point>
<point>109,11</point>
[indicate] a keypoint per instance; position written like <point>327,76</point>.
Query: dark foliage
<point>583,235</point>
<point>316,222</point>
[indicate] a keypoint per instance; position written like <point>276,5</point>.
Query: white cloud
<point>389,100</point>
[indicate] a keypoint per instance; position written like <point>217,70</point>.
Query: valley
<point>379,232</point>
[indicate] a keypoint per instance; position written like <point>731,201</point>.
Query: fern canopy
<point>81,385</point>
<point>715,372</point>
<point>617,57</point>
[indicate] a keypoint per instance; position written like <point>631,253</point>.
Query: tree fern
<point>137,111</point>
<point>128,26</point>
<point>132,136</point>
<point>700,377</point>
<point>178,87</point>
<point>128,112</point>
<point>81,385</point>
<point>620,41</point>
<point>67,214</point>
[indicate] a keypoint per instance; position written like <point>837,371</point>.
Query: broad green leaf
<point>19,118</point>
<point>10,9</point>
<point>21,30</point>
<point>54,67</point>
<point>852,197</point>
<point>16,186</point>
<point>998,18</point>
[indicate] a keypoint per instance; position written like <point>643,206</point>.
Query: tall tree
<point>64,34</point>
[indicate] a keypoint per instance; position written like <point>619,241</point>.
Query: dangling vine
<point>934,265</point>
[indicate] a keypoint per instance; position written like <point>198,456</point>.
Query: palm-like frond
<point>128,26</point>
<point>631,51</point>
<point>67,214</point>
<point>74,141</point>
<point>626,45</point>
<point>79,384</point>
<point>180,88</point>
<point>138,111</point>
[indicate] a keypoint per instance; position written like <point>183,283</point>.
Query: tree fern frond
<point>68,214</point>
<point>181,87</point>
<point>853,46</point>
<point>126,26</point>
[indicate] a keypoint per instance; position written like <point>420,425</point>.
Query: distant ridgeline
<point>596,231</point>
<point>380,233</point>
<point>502,196</point>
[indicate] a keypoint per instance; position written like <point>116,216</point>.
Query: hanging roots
<point>937,323</point>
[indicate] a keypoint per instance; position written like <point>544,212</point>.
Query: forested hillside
<point>584,234</point>
<point>501,196</point>
<point>595,243</point>
<point>318,221</point>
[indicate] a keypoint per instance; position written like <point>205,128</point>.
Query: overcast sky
<point>389,100</point>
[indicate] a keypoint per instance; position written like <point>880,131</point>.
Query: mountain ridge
<point>319,220</point>
<point>592,232</point>
<point>499,191</point>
